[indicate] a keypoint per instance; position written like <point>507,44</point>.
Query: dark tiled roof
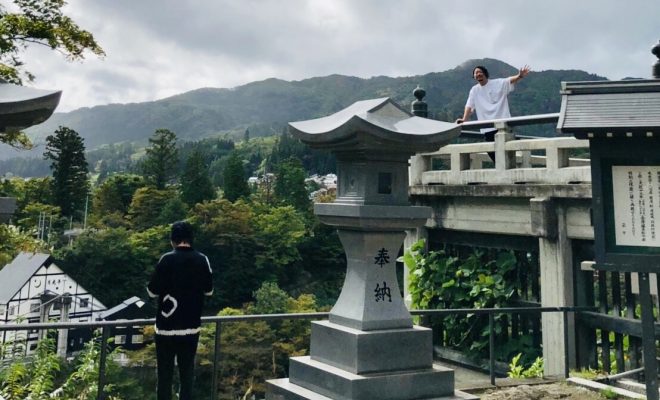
<point>114,312</point>
<point>610,107</point>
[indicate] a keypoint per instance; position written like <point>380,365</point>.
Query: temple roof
<point>22,107</point>
<point>610,107</point>
<point>381,120</point>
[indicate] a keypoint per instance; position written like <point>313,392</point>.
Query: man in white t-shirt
<point>489,98</point>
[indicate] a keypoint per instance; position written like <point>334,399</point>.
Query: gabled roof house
<point>33,289</point>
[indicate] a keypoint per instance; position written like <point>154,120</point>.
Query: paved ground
<point>465,378</point>
<point>557,390</point>
<point>478,383</point>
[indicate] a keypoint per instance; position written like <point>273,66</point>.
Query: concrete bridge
<point>534,196</point>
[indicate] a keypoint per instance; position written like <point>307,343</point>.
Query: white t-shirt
<point>490,101</point>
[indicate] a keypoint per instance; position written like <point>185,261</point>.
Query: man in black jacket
<point>181,280</point>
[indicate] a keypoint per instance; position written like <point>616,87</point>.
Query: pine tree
<point>235,182</point>
<point>70,186</point>
<point>196,183</point>
<point>290,184</point>
<point>160,164</point>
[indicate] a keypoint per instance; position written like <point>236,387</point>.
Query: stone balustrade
<point>532,161</point>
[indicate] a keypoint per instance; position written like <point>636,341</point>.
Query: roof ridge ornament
<point>656,67</point>
<point>419,107</point>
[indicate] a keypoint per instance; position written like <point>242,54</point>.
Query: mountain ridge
<point>264,107</point>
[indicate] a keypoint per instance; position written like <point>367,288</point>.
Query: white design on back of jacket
<point>174,306</point>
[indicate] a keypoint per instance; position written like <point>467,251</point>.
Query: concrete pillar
<point>63,334</point>
<point>418,165</point>
<point>556,261</point>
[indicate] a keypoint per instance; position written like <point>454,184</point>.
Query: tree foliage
<point>160,164</point>
<point>116,193</point>
<point>279,231</point>
<point>66,151</point>
<point>148,207</point>
<point>196,185</point>
<point>290,184</point>
<point>113,263</point>
<point>235,182</point>
<point>255,351</point>
<point>41,23</point>
<point>13,241</point>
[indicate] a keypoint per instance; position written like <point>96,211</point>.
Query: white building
<point>33,289</point>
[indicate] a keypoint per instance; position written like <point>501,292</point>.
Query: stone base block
<point>338,384</point>
<point>282,389</point>
<point>362,352</point>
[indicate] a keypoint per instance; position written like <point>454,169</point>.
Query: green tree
<point>113,263</point>
<point>37,190</point>
<point>196,185</point>
<point>235,182</point>
<point>160,163</point>
<point>70,186</point>
<point>112,200</point>
<point>13,241</point>
<point>42,23</point>
<point>147,206</point>
<point>279,231</point>
<point>173,210</point>
<point>264,348</point>
<point>116,193</point>
<point>290,184</point>
<point>225,233</point>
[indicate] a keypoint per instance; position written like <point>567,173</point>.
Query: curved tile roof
<point>382,119</point>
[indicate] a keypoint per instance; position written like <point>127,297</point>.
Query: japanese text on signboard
<point>636,195</point>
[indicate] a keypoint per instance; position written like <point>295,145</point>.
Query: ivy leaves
<point>480,280</point>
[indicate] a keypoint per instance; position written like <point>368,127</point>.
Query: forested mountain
<point>266,106</point>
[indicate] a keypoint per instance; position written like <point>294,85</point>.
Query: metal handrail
<point>218,320</point>
<point>514,121</point>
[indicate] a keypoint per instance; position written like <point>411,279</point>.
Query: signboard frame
<point>620,152</point>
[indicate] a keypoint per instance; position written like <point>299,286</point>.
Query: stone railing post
<point>503,159</point>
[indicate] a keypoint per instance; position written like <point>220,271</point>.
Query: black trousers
<point>184,349</point>
<point>489,136</point>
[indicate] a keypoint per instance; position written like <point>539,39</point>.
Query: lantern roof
<point>22,107</point>
<point>380,123</point>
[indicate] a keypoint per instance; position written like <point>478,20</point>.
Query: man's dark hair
<point>482,68</point>
<point>181,232</point>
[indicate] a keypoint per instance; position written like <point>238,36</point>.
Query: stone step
<point>283,389</point>
<point>363,352</point>
<point>337,383</point>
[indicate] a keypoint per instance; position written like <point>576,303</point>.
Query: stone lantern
<point>368,348</point>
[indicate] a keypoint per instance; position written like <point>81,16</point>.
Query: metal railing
<point>106,326</point>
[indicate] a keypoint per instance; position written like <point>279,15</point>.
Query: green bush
<point>483,279</point>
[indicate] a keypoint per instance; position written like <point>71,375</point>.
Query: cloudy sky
<point>158,48</point>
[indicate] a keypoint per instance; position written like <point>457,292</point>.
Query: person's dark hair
<point>181,232</point>
<point>482,68</point>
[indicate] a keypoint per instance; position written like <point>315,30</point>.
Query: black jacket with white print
<point>181,280</point>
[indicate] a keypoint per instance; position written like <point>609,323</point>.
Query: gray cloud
<point>157,48</point>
